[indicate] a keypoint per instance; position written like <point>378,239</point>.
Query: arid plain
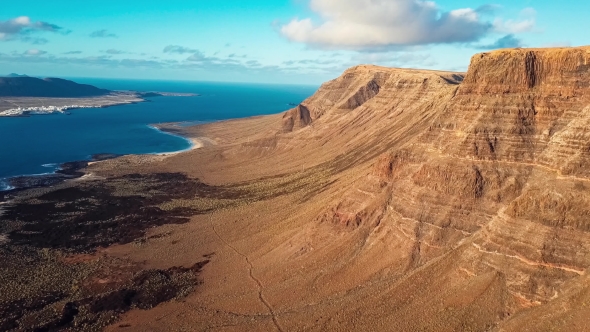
<point>390,200</point>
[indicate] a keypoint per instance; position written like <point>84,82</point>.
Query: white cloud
<point>114,51</point>
<point>384,24</point>
<point>103,34</point>
<point>22,20</point>
<point>525,23</point>
<point>179,49</point>
<point>508,41</point>
<point>34,52</point>
<point>21,26</point>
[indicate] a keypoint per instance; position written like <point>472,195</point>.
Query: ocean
<point>40,143</point>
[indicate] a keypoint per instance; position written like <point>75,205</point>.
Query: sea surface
<point>38,144</point>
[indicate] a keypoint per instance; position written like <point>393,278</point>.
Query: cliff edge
<point>551,71</point>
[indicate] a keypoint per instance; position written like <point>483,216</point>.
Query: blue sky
<point>279,41</point>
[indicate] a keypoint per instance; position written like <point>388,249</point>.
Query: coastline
<point>75,170</point>
<point>194,143</point>
<point>28,106</point>
<point>85,221</point>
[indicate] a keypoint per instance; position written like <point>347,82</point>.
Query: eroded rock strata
<point>390,200</point>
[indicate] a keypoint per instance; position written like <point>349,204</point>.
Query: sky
<point>278,41</point>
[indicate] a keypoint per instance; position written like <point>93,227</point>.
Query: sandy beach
<point>196,143</point>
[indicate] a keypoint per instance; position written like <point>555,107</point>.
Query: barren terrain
<point>391,200</point>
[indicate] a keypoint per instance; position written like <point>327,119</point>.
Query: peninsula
<point>23,95</point>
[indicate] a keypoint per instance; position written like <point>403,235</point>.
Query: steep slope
<point>393,200</point>
<point>500,178</point>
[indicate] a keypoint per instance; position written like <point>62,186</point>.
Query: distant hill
<point>19,86</point>
<point>16,75</point>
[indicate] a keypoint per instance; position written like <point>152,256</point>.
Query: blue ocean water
<point>37,144</point>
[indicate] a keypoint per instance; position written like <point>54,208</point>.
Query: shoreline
<point>67,104</point>
<point>42,105</point>
<point>194,143</point>
<point>74,170</point>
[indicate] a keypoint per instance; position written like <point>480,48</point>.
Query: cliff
<point>523,105</point>
<point>490,170</point>
<point>562,72</point>
<point>374,86</point>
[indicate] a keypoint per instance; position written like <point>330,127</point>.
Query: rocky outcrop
<point>364,94</point>
<point>296,118</point>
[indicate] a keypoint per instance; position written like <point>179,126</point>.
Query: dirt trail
<point>253,277</point>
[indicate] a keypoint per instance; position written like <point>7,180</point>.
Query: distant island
<point>22,95</point>
<point>16,75</point>
<point>24,86</point>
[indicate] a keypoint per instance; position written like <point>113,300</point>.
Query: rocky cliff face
<point>296,118</point>
<point>525,105</point>
<point>491,169</point>
<point>552,72</point>
<point>378,89</point>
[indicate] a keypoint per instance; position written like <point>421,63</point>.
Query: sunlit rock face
<point>491,166</point>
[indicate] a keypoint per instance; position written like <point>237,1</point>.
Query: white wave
<point>41,110</point>
<point>5,186</point>
<point>50,165</point>
<point>191,144</point>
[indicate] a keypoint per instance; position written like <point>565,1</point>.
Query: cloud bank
<point>179,49</point>
<point>21,27</point>
<point>388,24</point>
<point>114,51</point>
<point>508,41</point>
<point>103,34</point>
